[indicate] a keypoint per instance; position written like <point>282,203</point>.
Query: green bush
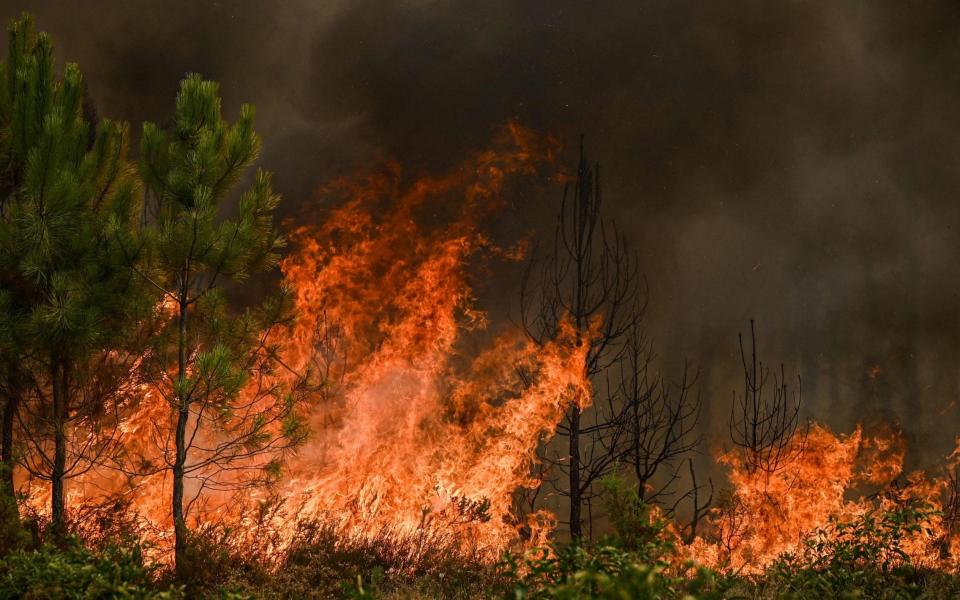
<point>579,571</point>
<point>633,561</point>
<point>861,558</point>
<point>635,527</point>
<point>13,536</point>
<point>72,572</point>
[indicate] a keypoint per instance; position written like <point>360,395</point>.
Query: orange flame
<point>829,477</point>
<point>411,437</point>
<point>408,433</point>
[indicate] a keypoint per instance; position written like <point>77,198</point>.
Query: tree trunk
<point>641,480</point>
<point>10,408</point>
<point>57,475</point>
<point>575,500</point>
<point>183,413</point>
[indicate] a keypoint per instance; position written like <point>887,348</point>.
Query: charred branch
<point>765,419</point>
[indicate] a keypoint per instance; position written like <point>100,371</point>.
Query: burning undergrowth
<point>416,440</point>
<point>828,479</point>
<point>410,436</point>
<point>407,434</point>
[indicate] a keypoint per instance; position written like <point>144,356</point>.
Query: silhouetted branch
<point>764,423</point>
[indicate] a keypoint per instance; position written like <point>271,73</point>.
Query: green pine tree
<point>26,92</point>
<point>71,300</point>
<point>221,436</point>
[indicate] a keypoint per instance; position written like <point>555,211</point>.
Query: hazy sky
<point>794,161</point>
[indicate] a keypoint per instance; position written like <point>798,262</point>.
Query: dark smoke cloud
<point>792,161</point>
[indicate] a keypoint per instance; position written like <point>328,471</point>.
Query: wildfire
<point>828,478</point>
<point>407,438</point>
<point>409,434</point>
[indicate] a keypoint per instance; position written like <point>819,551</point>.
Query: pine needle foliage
<point>70,203</point>
<point>232,417</point>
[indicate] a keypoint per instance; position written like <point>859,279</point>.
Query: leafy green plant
<point>74,572</point>
<point>578,571</point>
<point>636,527</point>
<point>636,560</point>
<point>860,558</point>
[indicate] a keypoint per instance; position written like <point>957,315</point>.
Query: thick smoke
<point>796,162</point>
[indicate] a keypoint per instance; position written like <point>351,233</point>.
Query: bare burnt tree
<point>327,372</point>
<point>587,280</point>
<point>604,432</point>
<point>700,497</point>
<point>660,418</point>
<point>765,419</point>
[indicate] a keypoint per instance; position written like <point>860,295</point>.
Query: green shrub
<point>861,558</point>
<point>636,528</point>
<point>73,572</point>
<point>633,561</point>
<point>13,536</point>
<point>578,571</point>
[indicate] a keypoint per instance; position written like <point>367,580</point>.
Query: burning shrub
<point>638,560</point>
<point>863,557</point>
<point>318,560</point>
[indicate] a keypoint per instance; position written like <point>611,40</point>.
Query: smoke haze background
<point>791,161</point>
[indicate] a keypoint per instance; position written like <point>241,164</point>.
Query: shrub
<point>73,572</point>
<point>635,561</point>
<point>578,571</point>
<point>13,536</point>
<point>322,563</point>
<point>861,558</point>
<point>637,528</point>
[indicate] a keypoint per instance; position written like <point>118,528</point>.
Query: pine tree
<point>69,295</point>
<point>26,90</point>
<point>190,173</point>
